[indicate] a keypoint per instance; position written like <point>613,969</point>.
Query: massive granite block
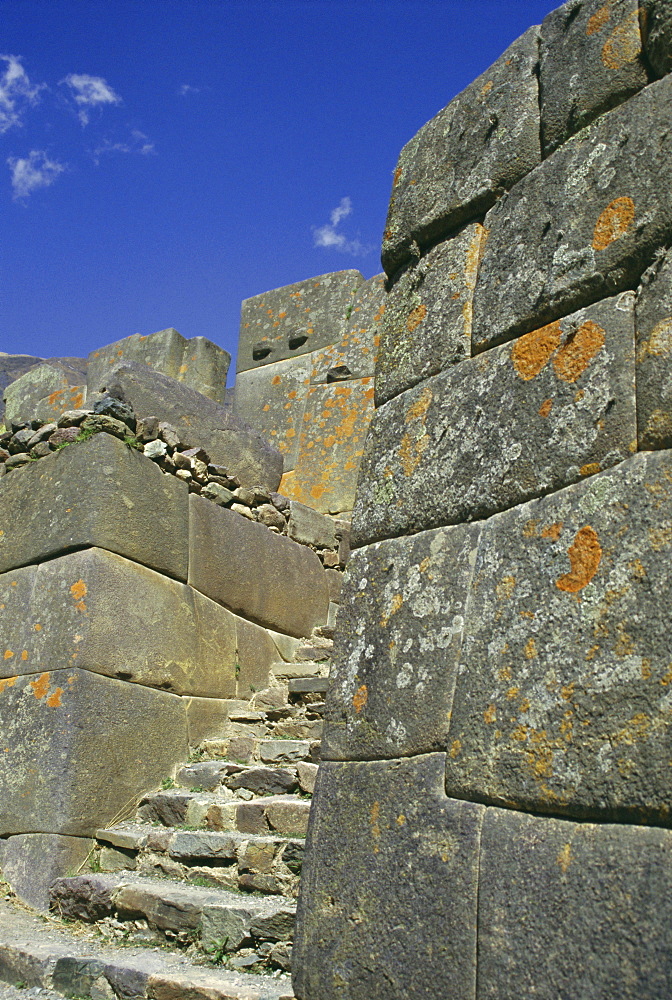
<point>295,319</point>
<point>583,225</point>
<point>331,445</point>
<point>354,354</point>
<point>198,363</point>
<point>256,653</point>
<point>521,420</point>
<point>590,60</point>
<point>653,333</point>
<point>656,25</point>
<point>427,321</point>
<point>260,575</point>
<point>13,366</point>
<point>563,698</point>
<point>96,492</point>
<point>272,399</point>
<point>387,905</point>
<point>43,393</point>
<point>573,910</point>
<point>200,421</point>
<point>78,749</point>
<point>106,614</point>
<point>32,861</point>
<point>398,645</point>
<point>462,160</point>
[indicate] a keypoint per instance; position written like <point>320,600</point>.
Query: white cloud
<point>16,91</point>
<point>90,92</point>
<point>327,236</point>
<point>186,88</point>
<point>34,171</point>
<point>138,143</point>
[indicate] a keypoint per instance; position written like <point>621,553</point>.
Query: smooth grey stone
<point>309,527</point>
<point>272,399</point>
<point>388,899</point>
<point>256,654</point>
<point>653,332</point>
<point>354,354</point>
<point>203,844</point>
<point>32,861</point>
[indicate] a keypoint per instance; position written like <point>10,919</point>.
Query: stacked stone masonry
<point>493,815</point>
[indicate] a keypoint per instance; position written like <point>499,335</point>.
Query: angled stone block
<point>656,26</point>
<point>205,367</point>
<point>610,213</point>
<point>590,60</point>
<point>295,319</point>
<point>573,910</point>
<point>354,355</point>
<point>461,161</point>
<point>32,861</point>
<point>398,645</point>
<point>13,366</point>
<point>256,653</point>
<point>80,748</point>
<point>43,393</point>
<point>331,445</point>
<point>96,492</point>
<point>309,527</point>
<point>228,440</point>
<point>562,702</point>
<point>427,321</point>
<point>653,332</point>
<point>206,719</point>
<point>272,399</point>
<point>255,573</point>
<point>521,420</point>
<point>387,905</point>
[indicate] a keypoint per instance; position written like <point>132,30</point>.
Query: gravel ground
<point>34,993</point>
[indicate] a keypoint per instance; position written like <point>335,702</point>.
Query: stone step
<point>308,685</point>
<point>46,955</point>
<point>284,814</point>
<point>248,748</point>
<point>303,668</point>
<point>264,779</point>
<point>208,919</point>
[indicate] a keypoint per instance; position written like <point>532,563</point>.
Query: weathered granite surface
<point>387,905</point>
<point>353,355</point>
<point>272,398</point>
<point>521,420</point>
<point>590,60</point>
<point>31,862</point>
<point>43,393</point>
<point>657,31</point>
<point>653,332</point>
<point>583,225</point>
<point>461,161</point>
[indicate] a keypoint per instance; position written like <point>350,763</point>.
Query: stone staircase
<point>209,867</point>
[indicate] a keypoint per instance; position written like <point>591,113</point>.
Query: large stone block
<point>43,393</point>
<point>354,354</point>
<point>260,575</point>
<point>256,653</point>
<point>573,910</point>
<point>13,366</point>
<point>78,749</point>
<point>563,695</point>
<point>201,422</point>
<point>387,905</point>
<point>427,321</point>
<point>114,617</point>
<point>653,333</point>
<point>272,398</point>
<point>32,861</point>
<point>462,160</point>
<point>521,420</point>
<point>657,32</point>
<point>198,363</point>
<point>331,445</point>
<point>398,645</point>
<point>96,492</point>
<point>590,60</point>
<point>295,319</point>
<point>583,225</point>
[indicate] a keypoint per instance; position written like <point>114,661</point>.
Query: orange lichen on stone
<point>545,408</point>
<point>565,858</point>
<point>486,88</point>
<point>8,654</point>
<point>578,351</point>
<point>552,531</point>
<point>276,380</point>
<point>7,682</point>
<point>532,352</point>
<point>55,397</point>
<point>397,176</point>
<point>590,469</point>
<point>598,20</point>
<point>40,686</point>
<point>24,654</point>
<point>585,554</point>
<point>614,222</point>
<point>360,698</point>
<point>455,748</point>
<point>624,44</point>
<point>530,649</point>
<point>79,592</point>
<point>490,714</point>
<point>54,700</point>
<point>415,317</point>
<point>395,604</point>
<point>504,588</point>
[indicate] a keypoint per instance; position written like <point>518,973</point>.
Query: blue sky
<point>161,160</point>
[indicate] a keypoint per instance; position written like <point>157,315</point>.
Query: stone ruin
<point>492,809</point>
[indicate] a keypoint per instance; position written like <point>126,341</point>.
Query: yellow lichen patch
<point>37,627</point>
<point>79,591</point>
<point>40,686</point>
<point>54,699</point>
<point>590,469</point>
<point>490,714</point>
<point>360,698</point>
<point>530,649</point>
<point>530,528</point>
<point>578,351</point>
<point>401,819</point>
<point>397,176</point>
<point>184,369</point>
<point>666,678</point>
<point>565,858</point>
<point>552,531</point>
<point>545,408</point>
<point>411,451</point>
<point>24,654</point>
<point>395,604</point>
<point>624,43</point>
<point>660,341</point>
<point>624,645</point>
<point>504,588</point>
<point>645,668</point>
<point>614,222</point>
<point>455,748</point>
<point>637,728</point>
<point>8,654</point>
<point>532,352</point>
<point>419,407</point>
<point>512,693</point>
<point>7,682</point>
<point>375,828</point>
<point>567,691</point>
<point>504,673</point>
<point>585,554</point>
<point>415,317</point>
<point>660,538</point>
<point>486,88</point>
<point>598,20</point>
<point>519,733</point>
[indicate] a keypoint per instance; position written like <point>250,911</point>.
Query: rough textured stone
<point>295,319</point>
<point>657,32</point>
<point>309,527</point>
<point>521,420</point>
<point>32,861</point>
<point>562,701</point>
<point>331,445</point>
<point>13,366</point>
<point>653,332</point>
<point>206,719</point>
<point>257,574</point>
<point>272,398</point>
<point>476,148</point>
<point>197,363</point>
<point>354,355</point>
<point>43,393</point>
<point>202,422</point>
<point>583,225</point>
<point>573,910</point>
<point>98,492</point>
<point>427,321</point>
<point>590,61</point>
<point>387,904</point>
<point>398,645</point>
<point>75,757</point>
<point>256,653</point>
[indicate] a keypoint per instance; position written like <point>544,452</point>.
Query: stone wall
<point>493,815</point>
